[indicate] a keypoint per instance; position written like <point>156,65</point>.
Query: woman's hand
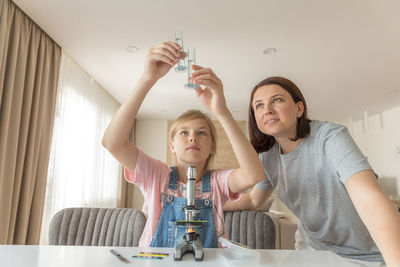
<point>213,94</point>
<point>160,59</point>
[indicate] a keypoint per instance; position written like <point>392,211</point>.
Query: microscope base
<point>194,246</point>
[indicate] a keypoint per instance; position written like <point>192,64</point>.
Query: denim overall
<point>167,233</point>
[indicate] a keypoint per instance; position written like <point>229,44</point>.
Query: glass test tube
<point>191,54</point>
<point>181,66</point>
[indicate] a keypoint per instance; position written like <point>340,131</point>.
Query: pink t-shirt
<point>152,176</point>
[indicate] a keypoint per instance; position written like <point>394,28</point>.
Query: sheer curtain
<point>81,172</point>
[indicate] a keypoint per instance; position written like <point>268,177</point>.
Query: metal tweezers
<point>119,256</point>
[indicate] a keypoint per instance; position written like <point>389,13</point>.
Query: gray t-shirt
<point>310,181</point>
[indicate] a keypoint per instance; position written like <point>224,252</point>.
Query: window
<point>81,172</point>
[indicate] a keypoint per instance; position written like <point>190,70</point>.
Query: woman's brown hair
<point>263,142</point>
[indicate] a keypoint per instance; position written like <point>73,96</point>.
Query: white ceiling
<point>343,54</point>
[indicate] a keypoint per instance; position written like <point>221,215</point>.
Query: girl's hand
<point>160,59</point>
<point>213,94</point>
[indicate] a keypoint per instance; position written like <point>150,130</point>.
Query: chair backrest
<point>251,228</point>
<point>96,227</point>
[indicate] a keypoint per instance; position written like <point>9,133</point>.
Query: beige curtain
<point>29,67</point>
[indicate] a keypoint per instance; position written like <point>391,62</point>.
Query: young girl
<point>192,140</point>
<point>318,171</point>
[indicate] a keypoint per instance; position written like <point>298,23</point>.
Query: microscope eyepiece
<point>191,173</point>
<point>191,187</point>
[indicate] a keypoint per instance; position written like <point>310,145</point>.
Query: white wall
<point>150,137</point>
<point>381,144</point>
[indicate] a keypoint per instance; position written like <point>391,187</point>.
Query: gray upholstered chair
<point>251,228</point>
<point>96,227</point>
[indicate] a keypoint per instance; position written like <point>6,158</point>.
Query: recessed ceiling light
<point>132,49</point>
<point>269,51</point>
<point>392,92</point>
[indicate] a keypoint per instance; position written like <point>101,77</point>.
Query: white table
<point>76,256</point>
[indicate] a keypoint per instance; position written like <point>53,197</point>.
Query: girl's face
<point>275,111</point>
<point>192,142</point>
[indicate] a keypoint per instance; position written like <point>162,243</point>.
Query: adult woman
<point>318,171</point>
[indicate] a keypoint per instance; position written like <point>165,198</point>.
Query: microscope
<point>191,240</point>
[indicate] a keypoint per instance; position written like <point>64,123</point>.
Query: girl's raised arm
<point>159,60</point>
<point>250,169</point>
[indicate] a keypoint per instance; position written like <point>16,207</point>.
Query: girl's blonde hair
<point>190,115</point>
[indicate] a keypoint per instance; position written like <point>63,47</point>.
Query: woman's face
<point>276,112</point>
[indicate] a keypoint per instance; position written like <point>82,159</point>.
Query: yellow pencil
<point>153,255</point>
